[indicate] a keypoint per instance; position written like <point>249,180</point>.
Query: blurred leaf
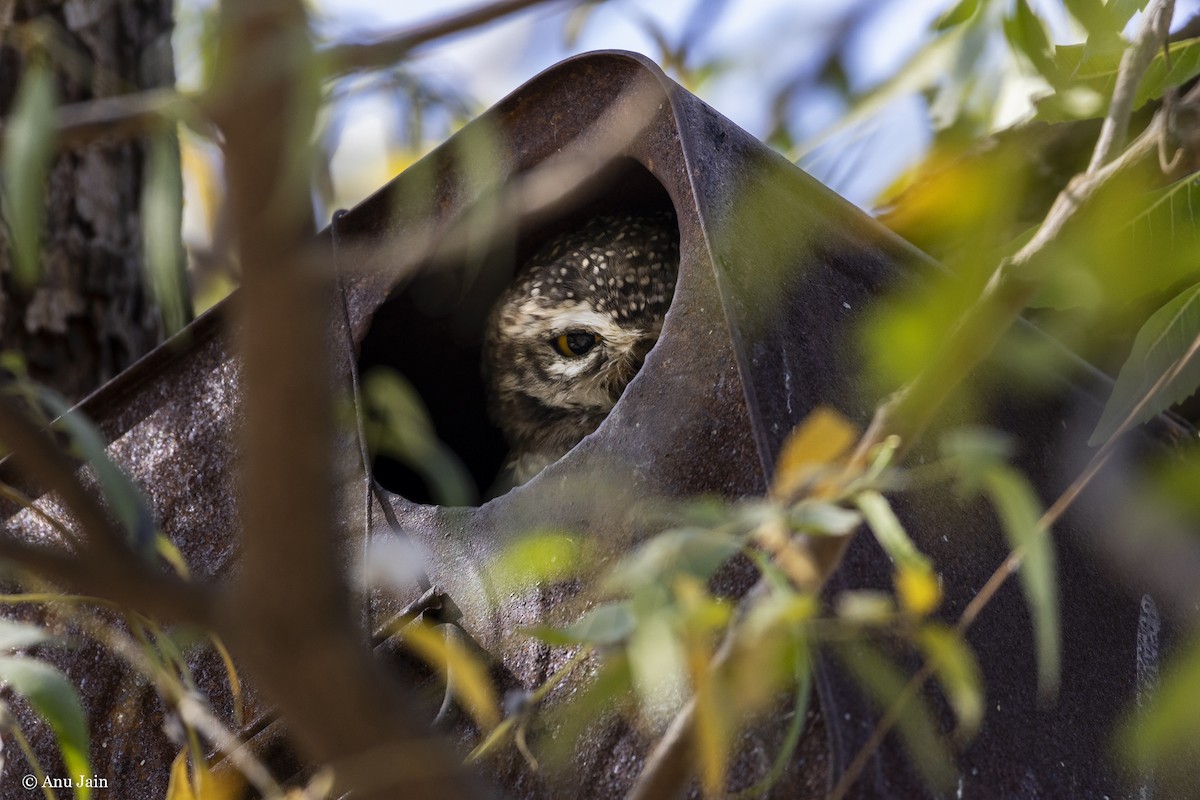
<point>124,498</point>
<point>918,731</point>
<point>960,13</point>
<point>889,531</point>
<point>1131,240</point>
<point>817,441</point>
<point>1165,338</point>
<point>466,671</point>
<point>162,221</point>
<point>19,635</point>
<point>1184,65</point>
<point>714,723</point>
<point>799,714</point>
<point>866,607</point>
<point>658,666</point>
<point>1173,482</point>
<point>690,551</point>
<point>604,625</point>
<point>1020,512</point>
<point>576,21</point>
<point>1123,10</point>
<point>55,700</point>
<point>200,783</point>
<point>958,673</point>
<point>823,519</point>
<point>703,614</point>
<point>1095,16</point>
<point>1093,70</point>
<point>975,452</point>
<point>590,705</point>
<point>1027,34</point>
<point>1160,740</point>
<point>918,589</point>
<point>399,425</point>
<point>28,150</point>
<point>535,559</point>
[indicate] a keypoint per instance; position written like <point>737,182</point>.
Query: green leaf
<point>1027,35</point>
<point>975,452</point>
<point>1020,513</point>
<point>691,551</point>
<point>962,11</point>
<point>399,425</point>
<point>1160,740</point>
<point>604,625</point>
<point>162,220</point>
<point>54,699</point>
<point>125,499</point>
<point>1123,10</point>
<point>28,150</point>
<point>1095,17</point>
<point>958,673</point>
<point>1163,340</point>
<point>1093,69</point>
<point>1185,65</point>
<point>823,519</point>
<point>19,635</point>
<point>535,559</point>
<point>918,731</point>
<point>889,531</point>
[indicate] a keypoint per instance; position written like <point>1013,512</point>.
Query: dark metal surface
<point>776,272</point>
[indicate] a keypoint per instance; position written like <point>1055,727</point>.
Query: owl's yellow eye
<point>573,344</point>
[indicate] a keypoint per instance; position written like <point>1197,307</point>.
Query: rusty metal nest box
<point>776,271</point>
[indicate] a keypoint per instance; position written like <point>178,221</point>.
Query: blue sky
<point>765,42</point>
<point>783,36</point>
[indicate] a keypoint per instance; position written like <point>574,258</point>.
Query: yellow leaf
<point>714,724</point>
<point>918,589</point>
<point>818,441</point>
<point>467,673</point>
<point>202,784</point>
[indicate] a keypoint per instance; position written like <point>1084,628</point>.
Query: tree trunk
<point>92,313</point>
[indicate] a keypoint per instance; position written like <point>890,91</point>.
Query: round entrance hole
<point>431,329</point>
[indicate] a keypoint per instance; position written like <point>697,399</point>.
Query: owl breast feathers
<point>572,330</point>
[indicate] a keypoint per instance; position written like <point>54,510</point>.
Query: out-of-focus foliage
<point>27,153</point>
<point>656,635</point>
<point>1163,347</point>
<point>398,425</point>
<point>1013,105</point>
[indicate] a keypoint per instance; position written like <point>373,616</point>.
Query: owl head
<point>573,329</point>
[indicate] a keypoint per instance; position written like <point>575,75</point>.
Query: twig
<point>1151,35</point>
<point>1002,573</point>
<point>103,564</point>
<point>908,413</point>
<point>669,765</point>
<point>385,51</point>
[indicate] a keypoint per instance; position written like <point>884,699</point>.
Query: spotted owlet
<point>572,330</point>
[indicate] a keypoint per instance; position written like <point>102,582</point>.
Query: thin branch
<point>387,50</point>
<point>125,116</point>
<point>1152,35</point>
<point>104,564</point>
<point>1002,573</point>
<point>908,413</point>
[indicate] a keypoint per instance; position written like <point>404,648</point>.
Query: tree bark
<point>92,313</point>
